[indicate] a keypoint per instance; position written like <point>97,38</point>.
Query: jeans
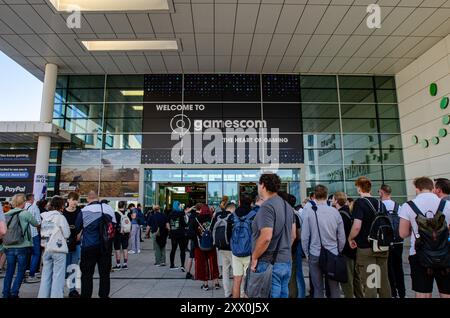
<point>73,258</point>
<point>318,280</point>
<point>297,288</point>
<point>35,255</point>
<point>89,258</point>
<point>395,271</point>
<point>281,274</point>
<point>15,256</point>
<point>135,241</point>
<point>53,275</point>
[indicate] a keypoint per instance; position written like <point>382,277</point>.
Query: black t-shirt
<point>177,224</point>
<point>71,217</point>
<point>347,218</point>
<point>364,212</point>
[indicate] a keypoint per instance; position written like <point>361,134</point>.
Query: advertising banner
<point>16,171</point>
<point>40,186</point>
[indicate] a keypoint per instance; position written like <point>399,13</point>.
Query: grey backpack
<point>14,234</point>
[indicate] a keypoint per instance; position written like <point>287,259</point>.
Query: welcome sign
<point>219,126</point>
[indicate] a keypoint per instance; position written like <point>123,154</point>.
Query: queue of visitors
<point>351,248</point>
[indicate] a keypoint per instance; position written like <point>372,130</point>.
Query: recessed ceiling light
<point>131,45</point>
<point>132,93</point>
<point>139,108</point>
<point>110,5</point>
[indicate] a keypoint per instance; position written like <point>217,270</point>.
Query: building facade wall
<point>349,127</point>
<point>421,115</point>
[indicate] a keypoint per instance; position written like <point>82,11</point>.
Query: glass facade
<point>349,125</point>
<point>219,182</point>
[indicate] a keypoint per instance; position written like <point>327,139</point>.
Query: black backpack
<point>395,221</point>
<point>381,234</point>
<point>107,231</point>
<point>432,245</point>
<point>190,227</point>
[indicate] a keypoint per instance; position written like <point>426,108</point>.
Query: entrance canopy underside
<point>28,132</point>
<point>250,36</point>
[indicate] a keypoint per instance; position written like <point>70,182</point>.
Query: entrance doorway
<point>186,193</point>
<point>251,189</point>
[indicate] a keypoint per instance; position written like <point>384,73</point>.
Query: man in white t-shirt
<point>428,203</point>
<point>395,260</point>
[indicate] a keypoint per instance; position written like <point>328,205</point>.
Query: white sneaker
<point>139,251</point>
<point>131,252</point>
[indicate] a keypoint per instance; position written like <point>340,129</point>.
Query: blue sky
<point>20,92</point>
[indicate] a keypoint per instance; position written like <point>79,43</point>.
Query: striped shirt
<point>34,210</point>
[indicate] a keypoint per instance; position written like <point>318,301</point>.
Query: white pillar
<point>44,142</point>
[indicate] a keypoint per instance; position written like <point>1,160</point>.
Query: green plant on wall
<point>442,132</point>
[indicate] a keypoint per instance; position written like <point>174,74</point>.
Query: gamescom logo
<point>181,124</point>
<point>225,141</point>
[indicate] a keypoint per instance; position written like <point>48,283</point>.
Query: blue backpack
<point>206,242</point>
<point>241,237</point>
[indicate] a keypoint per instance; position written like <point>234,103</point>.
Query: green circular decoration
<point>435,140</point>
<point>424,143</point>
<point>415,140</point>
<point>433,89</point>
<point>446,119</point>
<point>444,102</point>
<point>443,132</point>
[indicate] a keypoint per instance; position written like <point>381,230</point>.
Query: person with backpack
<point>395,260</point>
<point>371,235</point>
<point>35,259</point>
<point>17,243</point>
<point>352,288</point>
<point>71,213</point>
<point>96,220</point>
<point>177,236</point>
<point>273,232</point>
<point>54,232</point>
<point>158,226</point>
<point>190,232</point>
<point>221,226</point>
<point>123,229</point>
<point>322,232</point>
<point>426,219</point>
<point>241,242</point>
<point>206,266</point>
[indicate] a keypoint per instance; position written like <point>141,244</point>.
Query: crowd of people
<point>352,247</point>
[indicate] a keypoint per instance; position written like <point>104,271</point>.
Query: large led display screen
<point>222,119</point>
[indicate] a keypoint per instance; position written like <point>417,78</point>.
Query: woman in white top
<point>54,232</point>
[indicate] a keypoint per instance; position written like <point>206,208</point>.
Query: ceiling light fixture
<point>130,45</point>
<point>111,5</point>
<point>132,93</point>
